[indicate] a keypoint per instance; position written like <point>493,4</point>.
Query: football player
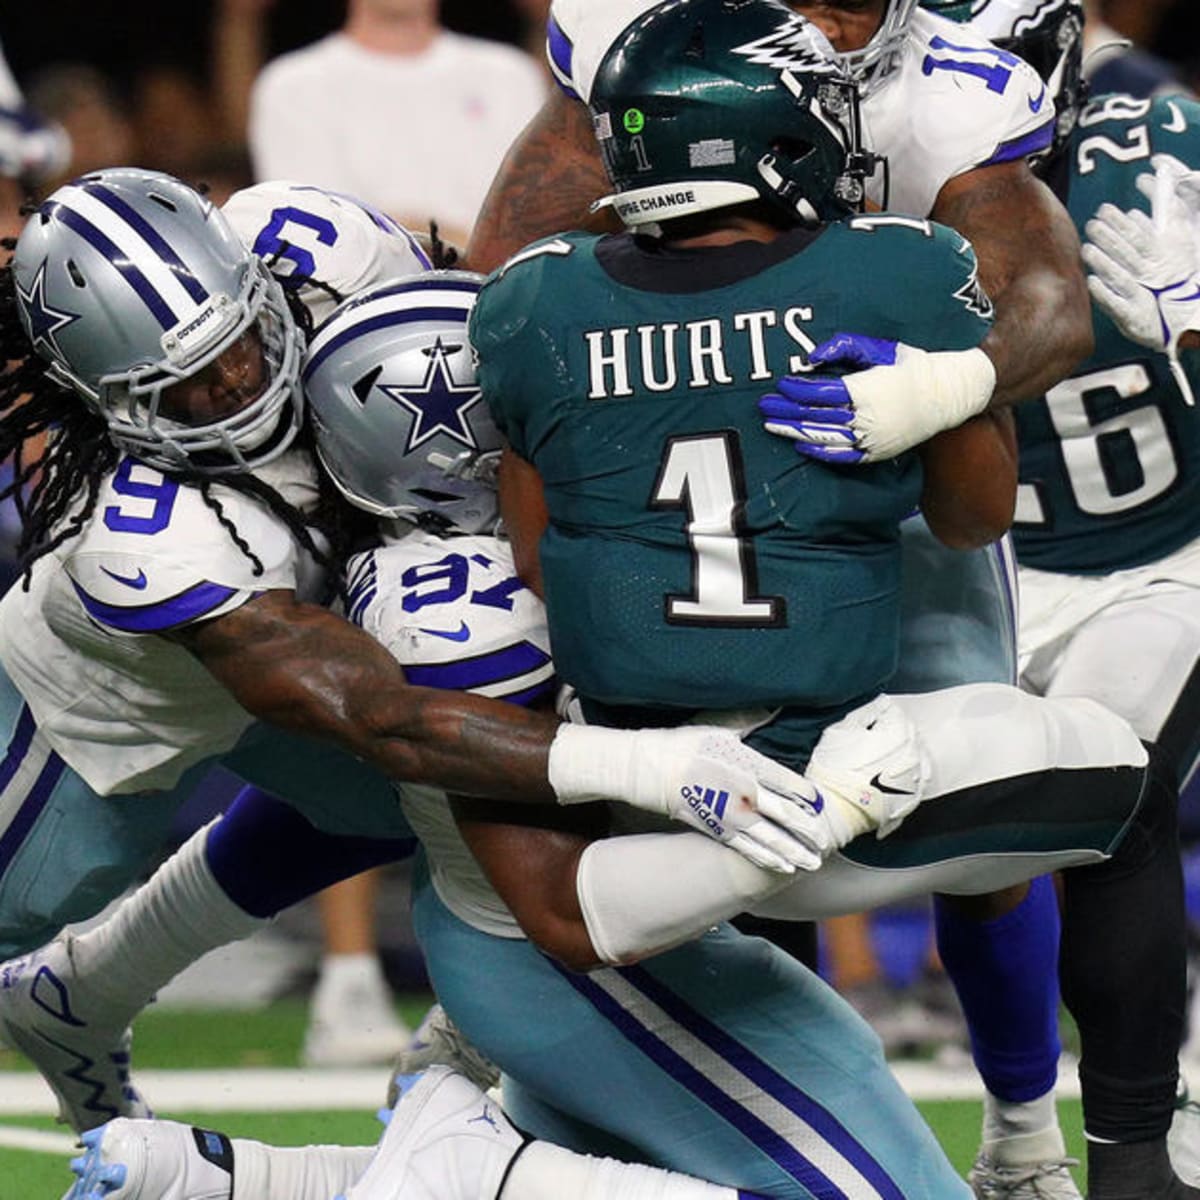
<point>618,364</point>
<point>133,618</point>
<point>953,118</point>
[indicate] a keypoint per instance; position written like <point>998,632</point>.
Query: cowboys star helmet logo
<point>797,45</point>
<point>439,404</point>
<point>44,320</point>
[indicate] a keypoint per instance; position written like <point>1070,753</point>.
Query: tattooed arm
<point>305,669</point>
<point>1029,264</point>
<point>551,176</point>
<point>302,668</point>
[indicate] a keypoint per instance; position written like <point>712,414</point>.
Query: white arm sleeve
<point>646,893</point>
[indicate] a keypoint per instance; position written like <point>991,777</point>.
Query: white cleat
<point>44,1013</point>
<point>152,1160</point>
<point>445,1140</point>
<point>439,1042</point>
<point>1038,1181</point>
<point>353,1022</point>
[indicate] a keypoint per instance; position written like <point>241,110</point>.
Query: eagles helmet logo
<point>796,45</point>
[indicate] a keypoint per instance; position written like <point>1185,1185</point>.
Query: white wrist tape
<point>589,762</point>
<point>900,406</point>
<point>644,894</point>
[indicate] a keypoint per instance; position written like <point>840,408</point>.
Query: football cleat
<point>1036,1181</point>
<point>445,1140</point>
<point>439,1042</point>
<point>46,1015</point>
<point>152,1160</point>
<point>353,1021</point>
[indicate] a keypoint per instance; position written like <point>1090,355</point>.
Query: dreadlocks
<point>61,452</point>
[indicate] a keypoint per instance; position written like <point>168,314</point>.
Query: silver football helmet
<point>401,425</point>
<point>131,284</point>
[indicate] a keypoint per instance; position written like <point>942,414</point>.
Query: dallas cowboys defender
<point>954,119</point>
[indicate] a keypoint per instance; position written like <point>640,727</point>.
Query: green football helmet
<point>703,104</point>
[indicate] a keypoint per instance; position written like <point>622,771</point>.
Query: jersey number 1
<point>702,474</point>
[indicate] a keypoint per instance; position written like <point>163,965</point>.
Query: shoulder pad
<point>305,232</point>
<point>455,615</point>
<point>155,556</point>
<point>578,35</point>
<point>955,102</point>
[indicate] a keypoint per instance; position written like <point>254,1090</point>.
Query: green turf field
<point>271,1038</point>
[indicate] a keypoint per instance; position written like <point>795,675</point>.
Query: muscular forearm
<point>302,668</point>
<point>1029,264</point>
<point>548,181</point>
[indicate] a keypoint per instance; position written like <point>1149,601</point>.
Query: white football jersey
<point>312,233</point>
<point>455,615</point>
<point>128,710</point>
<point>953,102</point>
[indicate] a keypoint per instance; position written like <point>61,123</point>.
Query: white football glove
<point>703,776</point>
<point>870,768</point>
<point>30,147</point>
<point>1145,270</point>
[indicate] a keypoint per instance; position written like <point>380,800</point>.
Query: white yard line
<point>235,1090</point>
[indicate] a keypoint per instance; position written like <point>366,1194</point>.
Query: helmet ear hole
<point>76,274</point>
<point>794,150</point>
<point>362,387</point>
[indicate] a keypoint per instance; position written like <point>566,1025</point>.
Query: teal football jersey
<point>694,560</point>
<point>1110,458</point>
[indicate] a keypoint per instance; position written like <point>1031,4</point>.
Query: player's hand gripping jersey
<point>951,102</point>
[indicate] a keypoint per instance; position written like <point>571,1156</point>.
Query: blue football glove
<point>894,397</point>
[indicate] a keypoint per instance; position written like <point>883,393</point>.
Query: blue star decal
<point>44,321</point>
<point>440,404</point>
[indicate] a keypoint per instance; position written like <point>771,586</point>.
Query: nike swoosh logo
<point>460,636</point>
<point>137,582</point>
<point>1036,105</point>
<point>880,786</point>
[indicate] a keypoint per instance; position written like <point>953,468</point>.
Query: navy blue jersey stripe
<point>1023,147</point>
<point>187,606</point>
<point>509,663</point>
<point>560,51</point>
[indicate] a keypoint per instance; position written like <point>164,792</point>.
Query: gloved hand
<point>1145,270</point>
<point>703,776</point>
<point>897,397</point>
<point>871,770</point>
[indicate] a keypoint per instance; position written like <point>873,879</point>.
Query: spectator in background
<point>396,110</point>
<point>400,112</point>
